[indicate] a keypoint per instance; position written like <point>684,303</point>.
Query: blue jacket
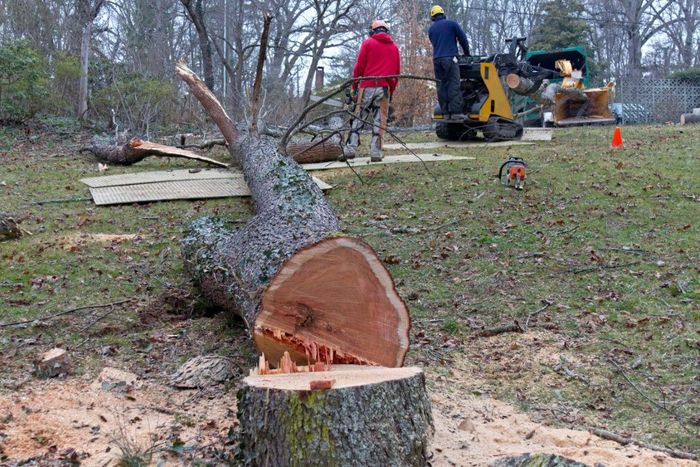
<point>444,34</point>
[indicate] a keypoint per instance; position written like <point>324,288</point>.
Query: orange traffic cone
<point>617,138</point>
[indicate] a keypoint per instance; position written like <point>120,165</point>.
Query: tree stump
<point>369,416</point>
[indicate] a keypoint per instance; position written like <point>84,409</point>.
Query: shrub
<point>139,101</point>
<point>23,83</point>
<point>691,74</point>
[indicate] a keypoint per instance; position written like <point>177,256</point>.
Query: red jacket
<point>378,56</point>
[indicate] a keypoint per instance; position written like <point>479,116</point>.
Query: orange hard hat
<point>378,23</point>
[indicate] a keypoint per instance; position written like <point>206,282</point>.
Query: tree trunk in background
<point>84,63</point>
<point>195,12</point>
<point>370,416</point>
<point>89,12</point>
<point>298,286</point>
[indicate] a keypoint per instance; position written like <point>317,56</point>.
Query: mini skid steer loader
<point>550,81</point>
<point>486,98</point>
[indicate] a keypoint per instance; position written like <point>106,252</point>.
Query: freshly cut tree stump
<point>137,150</point>
<point>371,416</point>
<point>298,286</point>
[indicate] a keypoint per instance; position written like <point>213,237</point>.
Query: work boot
<point>376,157</point>
<point>348,153</point>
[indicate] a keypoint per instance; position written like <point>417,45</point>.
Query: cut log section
<point>137,150</point>
<point>543,94</point>
<point>368,416</point>
<point>306,153</point>
<point>298,286</point>
<point>689,118</point>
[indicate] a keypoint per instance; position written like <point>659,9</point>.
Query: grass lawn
<point>600,255</point>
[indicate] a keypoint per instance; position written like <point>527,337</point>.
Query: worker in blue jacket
<point>444,35</point>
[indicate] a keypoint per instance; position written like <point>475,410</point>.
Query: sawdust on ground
<point>95,416</point>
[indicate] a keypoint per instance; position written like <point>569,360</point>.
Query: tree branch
<point>255,101</point>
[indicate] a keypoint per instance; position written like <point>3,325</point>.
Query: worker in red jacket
<point>378,56</point>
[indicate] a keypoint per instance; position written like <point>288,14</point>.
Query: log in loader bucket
<point>572,110</point>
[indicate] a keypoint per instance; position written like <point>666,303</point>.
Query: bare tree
<point>88,10</point>
<point>195,12</point>
<point>680,24</point>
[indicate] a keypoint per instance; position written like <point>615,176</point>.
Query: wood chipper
<point>567,97</point>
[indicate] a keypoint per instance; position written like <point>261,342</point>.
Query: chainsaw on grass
<point>513,172</point>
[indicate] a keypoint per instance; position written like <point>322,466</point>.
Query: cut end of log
<point>343,376</point>
<point>334,302</point>
<point>512,80</point>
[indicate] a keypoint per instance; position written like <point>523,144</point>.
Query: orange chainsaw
<point>513,172</point>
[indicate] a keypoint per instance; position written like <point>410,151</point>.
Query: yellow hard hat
<point>436,10</point>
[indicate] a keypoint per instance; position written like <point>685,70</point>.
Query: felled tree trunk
<point>137,150</point>
<point>368,416</point>
<point>305,153</point>
<point>299,286</point>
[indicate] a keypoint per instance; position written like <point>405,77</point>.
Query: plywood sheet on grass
<point>537,134</point>
<point>153,190</point>
<point>401,158</point>
<point>455,144</point>
<point>159,177</point>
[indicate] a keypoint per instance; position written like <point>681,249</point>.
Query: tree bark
<point>369,416</point>
<point>137,150</point>
<point>298,286</point>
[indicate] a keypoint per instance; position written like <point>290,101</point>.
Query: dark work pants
<point>448,88</point>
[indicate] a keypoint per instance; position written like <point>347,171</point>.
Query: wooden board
<point>159,176</point>
<point>401,158</point>
<point>537,134</point>
<point>146,187</point>
<point>455,144</point>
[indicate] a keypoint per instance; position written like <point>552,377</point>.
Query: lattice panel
<point>656,100</point>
